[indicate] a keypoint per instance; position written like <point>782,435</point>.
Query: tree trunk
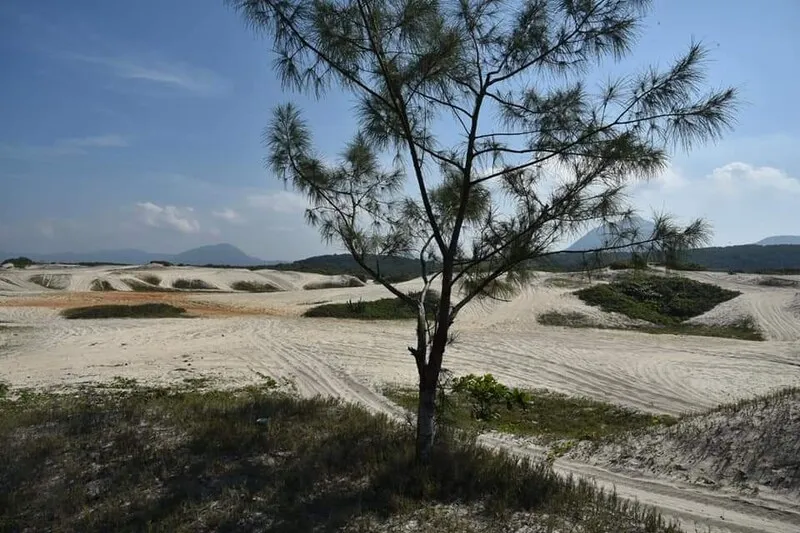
<point>426,420</point>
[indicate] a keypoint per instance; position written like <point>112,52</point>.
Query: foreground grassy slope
<point>255,460</point>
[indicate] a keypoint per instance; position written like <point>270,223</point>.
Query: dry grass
<point>331,284</point>
<point>138,285</point>
<point>146,310</point>
<point>131,459</point>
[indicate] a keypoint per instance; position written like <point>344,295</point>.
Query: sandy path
<point>261,334</point>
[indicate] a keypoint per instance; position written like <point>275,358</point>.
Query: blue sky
<point>137,124</point>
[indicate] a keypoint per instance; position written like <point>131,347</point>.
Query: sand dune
<point>354,359</point>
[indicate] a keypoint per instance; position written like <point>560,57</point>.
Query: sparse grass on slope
<point>746,444</point>
<point>138,285</point>
<point>745,329</point>
<point>102,285</point>
<point>254,286</point>
<point>147,310</point>
<point>152,279</point>
<point>383,309</point>
<point>192,284</point>
<point>51,281</point>
<point>184,460</point>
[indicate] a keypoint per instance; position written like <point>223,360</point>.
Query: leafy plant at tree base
<point>485,393</point>
<point>480,102</point>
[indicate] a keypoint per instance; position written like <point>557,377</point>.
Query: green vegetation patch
<point>662,300</point>
<point>480,403</point>
<point>254,286</point>
<point>383,309</point>
<point>137,459</point>
<point>192,284</point>
<point>152,279</point>
<point>148,310</point>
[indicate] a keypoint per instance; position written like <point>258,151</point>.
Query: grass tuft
<point>254,286</point>
<point>147,310</point>
<point>192,284</point>
<point>152,279</point>
<point>254,459</point>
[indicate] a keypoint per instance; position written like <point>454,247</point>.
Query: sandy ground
<point>241,337</point>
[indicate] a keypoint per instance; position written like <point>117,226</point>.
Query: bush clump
<point>663,300</point>
<point>18,262</point>
<point>254,286</point>
<point>148,310</point>
<point>138,285</point>
<point>192,284</point>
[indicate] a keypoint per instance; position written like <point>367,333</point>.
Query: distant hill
<point>602,235</point>
<point>780,239</point>
<point>392,268</point>
<point>217,254</point>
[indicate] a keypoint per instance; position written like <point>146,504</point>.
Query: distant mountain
<point>602,235</point>
<point>779,239</point>
<point>217,254</point>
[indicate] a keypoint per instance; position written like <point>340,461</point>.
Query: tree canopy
<point>501,148</point>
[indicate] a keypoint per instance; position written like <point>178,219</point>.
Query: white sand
<point>354,359</point>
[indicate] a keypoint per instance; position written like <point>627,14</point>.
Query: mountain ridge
<point>213,254</point>
<point>779,240</point>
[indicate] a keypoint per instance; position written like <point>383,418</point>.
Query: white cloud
<point>743,202</point>
<point>169,216</point>
<point>280,201</point>
<point>63,147</point>
<point>228,215</point>
<point>176,75</point>
<point>740,177</point>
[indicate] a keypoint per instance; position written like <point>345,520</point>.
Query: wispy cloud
<point>174,75</point>
<point>280,201</point>
<point>228,215</point>
<point>62,147</point>
<point>169,216</point>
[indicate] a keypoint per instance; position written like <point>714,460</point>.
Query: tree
<point>480,102</point>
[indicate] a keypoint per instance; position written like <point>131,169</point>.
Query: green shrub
<point>665,300</point>
<point>485,392</point>
<point>148,310</point>
<point>254,286</point>
<point>192,284</point>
